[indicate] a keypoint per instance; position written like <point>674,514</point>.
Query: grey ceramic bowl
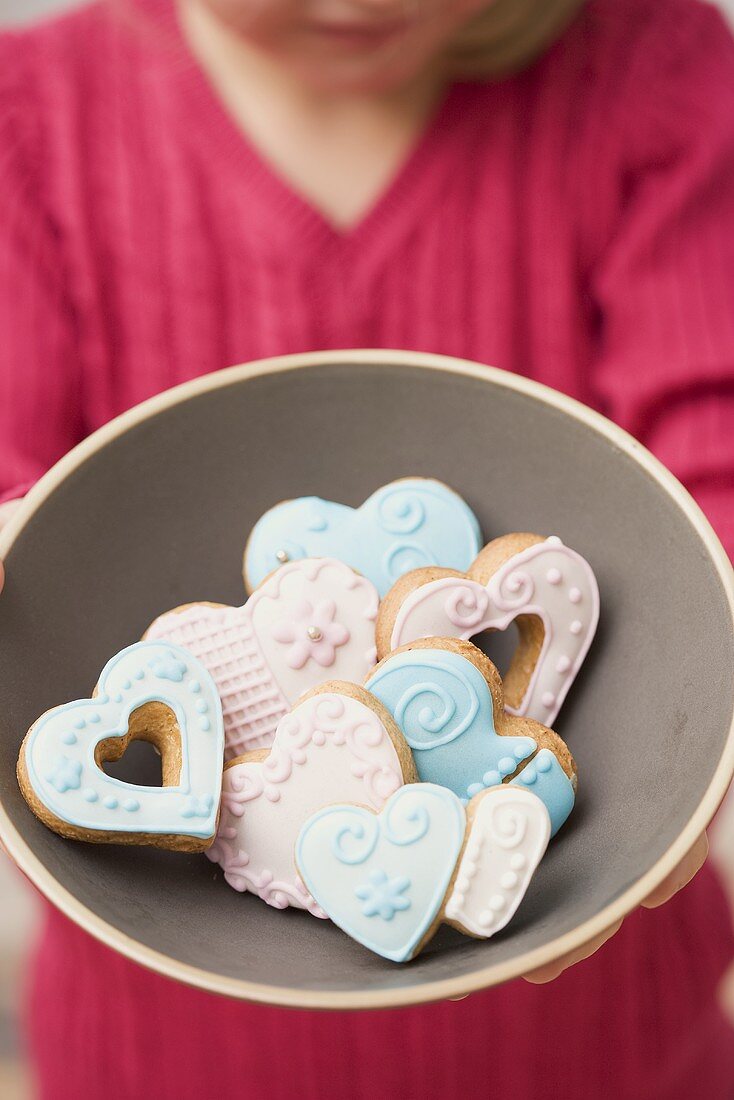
<point>154,511</point>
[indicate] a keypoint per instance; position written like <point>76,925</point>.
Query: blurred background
<point>19,908</point>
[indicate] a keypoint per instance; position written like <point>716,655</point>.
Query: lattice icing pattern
<point>312,620</point>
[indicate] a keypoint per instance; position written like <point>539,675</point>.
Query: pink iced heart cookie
<point>338,743</point>
<point>310,619</point>
<point>546,588</point>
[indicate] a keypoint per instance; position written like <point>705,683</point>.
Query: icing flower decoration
<point>168,667</point>
<point>311,633</point>
<point>383,896</point>
<point>66,775</point>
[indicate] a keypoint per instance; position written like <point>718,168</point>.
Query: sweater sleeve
<point>39,382</point>
<point>664,289</point>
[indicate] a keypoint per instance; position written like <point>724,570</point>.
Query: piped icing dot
<point>462,884</point>
<point>563,664</point>
<point>117,698</point>
<point>110,802</point>
<point>131,804</point>
<point>68,738</point>
<point>507,764</point>
<point>521,752</point>
<point>543,762</point>
<point>474,788</point>
<point>139,674</point>
<point>574,595</point>
<point>473,848</point>
<point>554,576</point>
<point>576,626</point>
<point>548,699</point>
<point>509,880</point>
<point>514,582</point>
<point>126,685</point>
<point>195,687</point>
<point>201,706</point>
<point>470,867</point>
<point>497,903</point>
<point>518,861</point>
<point>89,794</point>
<point>485,918</point>
<point>79,724</point>
<point>528,775</point>
<point>94,718</point>
<point>491,778</point>
<point>204,724</point>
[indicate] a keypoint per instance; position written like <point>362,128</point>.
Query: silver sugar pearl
<point>314,634</point>
<point>282,556</point>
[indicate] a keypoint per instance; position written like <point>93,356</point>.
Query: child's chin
<point>377,72</point>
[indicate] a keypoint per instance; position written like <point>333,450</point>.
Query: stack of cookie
<point>337,743</point>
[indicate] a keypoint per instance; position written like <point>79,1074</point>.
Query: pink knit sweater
<point>574,224</point>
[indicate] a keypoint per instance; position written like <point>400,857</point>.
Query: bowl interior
<point>159,516</point>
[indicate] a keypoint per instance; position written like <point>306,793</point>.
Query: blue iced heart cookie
<point>404,525</point>
<point>443,705</point>
<point>383,877</point>
<point>58,766</point>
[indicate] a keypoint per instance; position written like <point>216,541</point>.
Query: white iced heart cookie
<point>338,742</point>
<point>545,587</point>
<point>389,879</point>
<point>309,620</point>
<point>409,523</point>
<point>151,691</point>
<point>508,833</point>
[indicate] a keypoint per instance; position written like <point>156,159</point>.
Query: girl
<point>545,185</point>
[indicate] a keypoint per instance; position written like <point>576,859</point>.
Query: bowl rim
<point>453,987</point>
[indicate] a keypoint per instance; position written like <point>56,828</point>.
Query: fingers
<point>550,972</point>
<point>689,866</point>
<point>676,880</point>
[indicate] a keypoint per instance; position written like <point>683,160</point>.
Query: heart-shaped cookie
<point>383,878</point>
<point>310,619</point>
<point>507,835</point>
<point>409,523</point>
<point>339,742</point>
<point>389,879</point>
<point>546,588</point>
<point>447,699</point>
<point>150,691</point>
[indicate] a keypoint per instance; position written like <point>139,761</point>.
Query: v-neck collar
<point>287,218</point>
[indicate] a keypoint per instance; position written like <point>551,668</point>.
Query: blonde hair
<point>508,36</point>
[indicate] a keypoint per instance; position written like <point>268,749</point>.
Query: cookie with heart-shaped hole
<point>151,691</point>
<point>338,742</point>
<point>389,879</point>
<point>409,523</point>
<point>547,589</point>
<point>310,619</point>
<point>446,696</point>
